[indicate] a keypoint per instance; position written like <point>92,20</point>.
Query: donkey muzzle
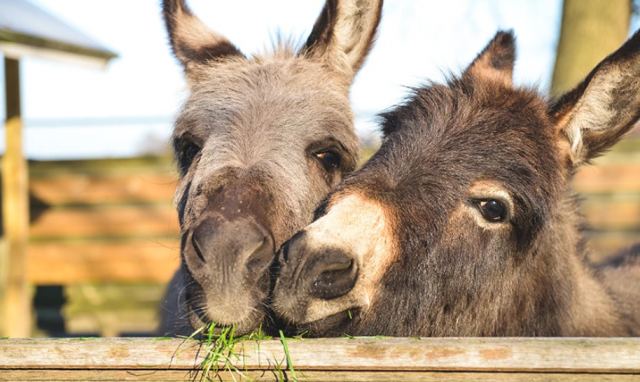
<point>326,273</point>
<point>222,249</point>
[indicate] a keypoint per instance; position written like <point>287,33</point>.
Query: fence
<point>336,359</point>
<point>112,221</point>
<point>102,221</point>
<point>107,232</point>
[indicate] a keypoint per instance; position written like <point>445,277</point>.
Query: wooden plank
<point>612,213</point>
<point>109,221</point>
<point>112,308</point>
<point>101,189</point>
<point>113,323</point>
<point>608,177</point>
<point>104,167</point>
<point>518,355</point>
<point>603,245</point>
<point>307,376</point>
<point>16,297</point>
<point>61,185</point>
<point>85,262</point>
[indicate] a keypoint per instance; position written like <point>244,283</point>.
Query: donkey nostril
<point>336,276</point>
<point>201,238</point>
<point>338,264</point>
<point>260,260</point>
<point>285,252</point>
<point>262,256</point>
<point>197,248</point>
<point>286,247</point>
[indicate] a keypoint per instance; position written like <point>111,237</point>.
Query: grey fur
<point>258,124</point>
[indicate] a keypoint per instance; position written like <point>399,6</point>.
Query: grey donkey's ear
<point>495,62</point>
<point>344,33</point>
<point>595,115</point>
<point>191,41</point>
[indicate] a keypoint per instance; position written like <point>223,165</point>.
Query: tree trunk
<point>591,29</point>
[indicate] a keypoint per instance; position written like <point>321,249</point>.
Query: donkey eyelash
<point>186,150</point>
<point>329,147</point>
<point>330,159</point>
<point>493,210</point>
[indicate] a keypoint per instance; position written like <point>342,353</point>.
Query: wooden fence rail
<point>113,220</point>
<point>98,223</point>
<point>337,359</point>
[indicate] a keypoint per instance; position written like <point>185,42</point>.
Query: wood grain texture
<point>108,212</point>
<point>608,177</point>
<point>107,188</point>
<point>517,355</point>
<point>308,376</point>
<point>15,295</point>
<point>142,260</point>
<point>110,221</point>
<point>612,214</point>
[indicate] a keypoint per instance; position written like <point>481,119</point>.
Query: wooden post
<point>590,31</point>
<point>16,298</point>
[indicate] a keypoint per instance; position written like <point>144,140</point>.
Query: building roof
<point>26,29</point>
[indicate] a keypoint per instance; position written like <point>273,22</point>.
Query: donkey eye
<point>330,160</point>
<point>186,151</point>
<point>492,210</point>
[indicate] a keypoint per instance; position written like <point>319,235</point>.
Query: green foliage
<point>283,340</point>
<point>219,346</point>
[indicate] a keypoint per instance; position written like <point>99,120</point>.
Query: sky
<point>78,112</point>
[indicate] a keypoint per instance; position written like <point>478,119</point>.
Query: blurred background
<point>91,90</point>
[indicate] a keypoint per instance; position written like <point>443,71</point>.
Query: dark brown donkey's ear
<point>495,62</point>
<point>343,34</point>
<point>191,41</point>
<point>596,114</point>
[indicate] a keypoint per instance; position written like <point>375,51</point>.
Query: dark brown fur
<point>439,268</point>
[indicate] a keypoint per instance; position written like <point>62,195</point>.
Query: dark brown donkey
<point>259,143</point>
<point>464,223</point>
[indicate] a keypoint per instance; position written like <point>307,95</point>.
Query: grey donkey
<point>259,142</point>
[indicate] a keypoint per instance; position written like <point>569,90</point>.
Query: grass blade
<point>283,340</point>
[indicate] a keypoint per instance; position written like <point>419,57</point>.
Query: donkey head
<point>463,222</point>
<point>259,142</point>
